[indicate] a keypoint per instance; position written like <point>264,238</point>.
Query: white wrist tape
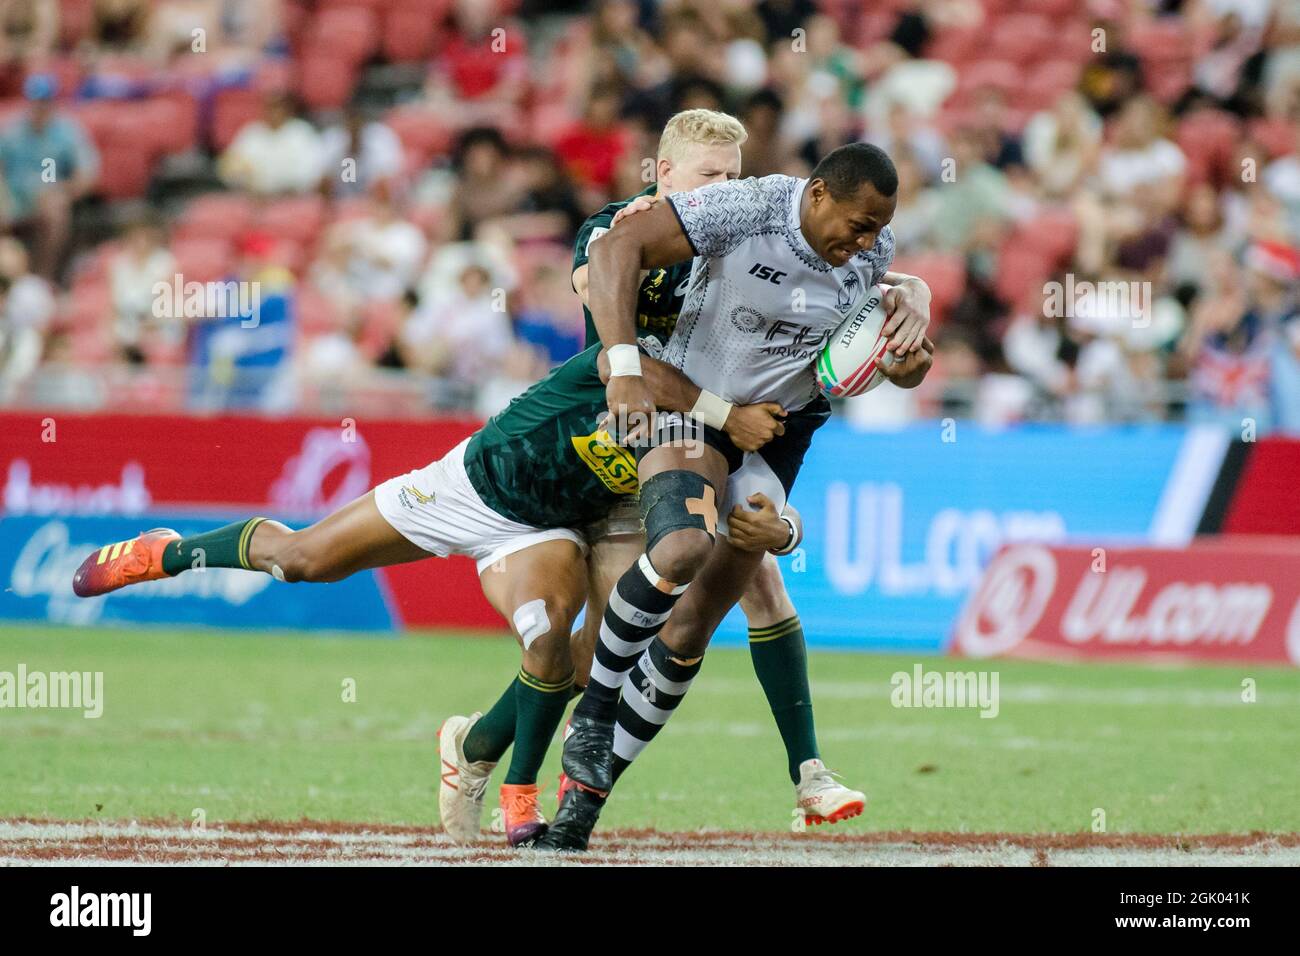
<point>624,360</point>
<point>793,542</point>
<point>711,410</point>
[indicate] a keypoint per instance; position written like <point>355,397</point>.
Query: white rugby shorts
<point>436,508</point>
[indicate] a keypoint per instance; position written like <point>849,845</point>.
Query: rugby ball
<point>851,362</point>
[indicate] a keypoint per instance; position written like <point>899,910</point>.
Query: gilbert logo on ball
<point>851,362</point>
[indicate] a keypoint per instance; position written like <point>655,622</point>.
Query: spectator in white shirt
<point>1140,158</point>
<point>359,155</point>
<point>276,155</point>
<point>384,252</point>
<point>26,307</point>
<point>134,271</point>
<point>464,335</point>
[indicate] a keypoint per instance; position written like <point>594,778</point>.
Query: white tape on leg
<point>531,621</point>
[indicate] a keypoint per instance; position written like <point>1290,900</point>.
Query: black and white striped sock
<point>638,606</point>
<point>651,692</point>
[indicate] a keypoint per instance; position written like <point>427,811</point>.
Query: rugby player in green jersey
<point>514,496</point>
<point>699,147</point>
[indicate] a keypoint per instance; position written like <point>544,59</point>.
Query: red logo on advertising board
<point>1231,599</point>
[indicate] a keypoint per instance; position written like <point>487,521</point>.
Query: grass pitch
<point>242,728</point>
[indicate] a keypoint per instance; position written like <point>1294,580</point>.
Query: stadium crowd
<point>1103,194</point>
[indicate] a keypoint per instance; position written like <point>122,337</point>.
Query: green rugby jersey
<point>662,290</point>
<point>544,461</point>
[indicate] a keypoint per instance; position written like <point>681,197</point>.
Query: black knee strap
<point>674,500</point>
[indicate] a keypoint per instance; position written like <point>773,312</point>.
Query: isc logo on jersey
<point>613,464</point>
<point>852,360</point>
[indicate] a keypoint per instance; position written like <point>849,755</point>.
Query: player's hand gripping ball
<point>852,362</point>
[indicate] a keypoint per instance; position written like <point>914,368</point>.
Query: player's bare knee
<point>687,635</point>
<point>296,559</point>
<point>679,556</point>
<point>546,643</point>
<point>766,600</point>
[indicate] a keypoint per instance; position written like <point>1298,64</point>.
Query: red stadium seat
<point>1277,136</point>
<point>351,209</point>
<point>233,109</point>
<point>1072,40</point>
<point>1160,38</point>
<point>380,321</point>
<point>424,134</point>
<point>409,33</point>
<point>1054,77</point>
<point>92,346</point>
<point>957,46</point>
<point>315,314</point>
<point>943,272</point>
<point>202,260</point>
<point>348,33</point>
<point>1021,38</point>
<point>124,171</point>
<point>92,266</point>
<point>1054,9</point>
<point>1054,233</point>
<point>1000,74</point>
<point>291,254</point>
<point>1022,270</point>
<point>100,118</point>
<point>75,20</point>
<point>173,122</point>
<point>220,216</point>
<point>299,219</point>
<point>163,353</point>
<point>325,82</point>
<point>90,305</point>
<point>1168,80</point>
<point>1209,139</point>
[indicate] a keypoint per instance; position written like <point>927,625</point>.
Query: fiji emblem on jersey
<point>848,292</point>
<point>613,464</point>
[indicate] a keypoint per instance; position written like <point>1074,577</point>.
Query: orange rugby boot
<point>128,562</point>
<point>524,820</point>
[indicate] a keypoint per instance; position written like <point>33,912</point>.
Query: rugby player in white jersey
<point>778,264</point>
<point>699,147</point>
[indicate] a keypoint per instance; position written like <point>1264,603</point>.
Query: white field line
<point>90,844</point>
<point>1012,691</point>
<point>883,856</point>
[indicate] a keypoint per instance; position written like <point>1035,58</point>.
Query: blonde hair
<point>699,128</point>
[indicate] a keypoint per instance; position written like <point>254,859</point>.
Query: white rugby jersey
<point>761,304</point>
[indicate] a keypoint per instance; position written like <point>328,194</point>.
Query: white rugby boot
<point>822,798</point>
<point>460,794</point>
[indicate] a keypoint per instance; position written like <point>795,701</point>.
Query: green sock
<point>224,548</point>
<point>494,732</point>
<point>539,707</point>
<point>781,664</point>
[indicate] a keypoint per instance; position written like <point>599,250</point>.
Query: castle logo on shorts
<point>613,464</point>
<point>411,497</point>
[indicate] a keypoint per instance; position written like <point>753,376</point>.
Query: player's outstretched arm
<point>750,427</point>
<point>653,238</point>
